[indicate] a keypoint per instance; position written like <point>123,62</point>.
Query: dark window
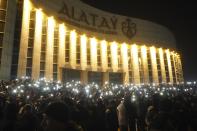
<point>30,42</point>
<point>29,52</point>
<point>1,39</point>
<point>28,71</point>
<point>31,33</point>
<point>2,15</point>
<point>70,74</point>
<point>0,54</point>
<point>29,62</point>
<point>2,26</point>
<point>32,24</point>
<point>54,76</point>
<point>42,56</point>
<point>116,78</point>
<point>41,74</point>
<point>55,50</point>
<point>95,77</point>
<point>54,67</point>
<point>42,66</point>
<point>55,59</point>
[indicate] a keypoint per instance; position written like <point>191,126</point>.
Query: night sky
<point>178,16</point>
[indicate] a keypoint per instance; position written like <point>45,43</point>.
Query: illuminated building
<point>68,39</point>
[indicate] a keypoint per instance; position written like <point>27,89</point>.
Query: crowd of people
<point>41,105</point>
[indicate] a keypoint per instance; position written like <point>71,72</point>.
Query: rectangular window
<point>109,55</point>
<point>99,55</point>
<point>54,68</point>
<point>88,53</point>
<point>55,50</point>
<point>78,51</point>
<point>119,58</point>
<point>67,46</point>
<point>42,66</point>
<point>55,59</point>
<point>29,62</point>
<point>29,52</point>
<point>2,26</point>
<point>2,15</point>
<point>41,74</point>
<point>32,24</point>
<point>28,72</point>
<point>42,58</point>
<point>30,42</point>
<point>1,39</point>
<point>54,76</point>
<point>31,33</point>
<point>0,54</point>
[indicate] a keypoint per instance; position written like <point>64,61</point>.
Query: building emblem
<point>129,28</point>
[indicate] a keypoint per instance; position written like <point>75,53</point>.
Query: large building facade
<point>70,40</point>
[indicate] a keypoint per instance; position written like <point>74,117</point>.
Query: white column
<point>22,60</point>
<point>145,64</point>
<point>93,53</point>
<point>175,69</point>
<point>124,57</point>
<point>169,66</point>
<point>154,65</point>
<point>163,71</point>
<point>104,62</point>
<point>49,49</point>
<point>73,43</point>
<point>180,69</point>
<point>83,50</point>
<point>114,56</point>
<point>135,62</point>
<point>37,45</point>
<point>61,50</point>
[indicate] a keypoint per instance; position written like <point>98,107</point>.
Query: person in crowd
<point>131,112</point>
<point>56,118</point>
<point>111,119</point>
<point>10,117</point>
<point>27,119</point>
<point>123,120</point>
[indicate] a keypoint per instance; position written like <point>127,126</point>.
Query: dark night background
<point>177,15</point>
